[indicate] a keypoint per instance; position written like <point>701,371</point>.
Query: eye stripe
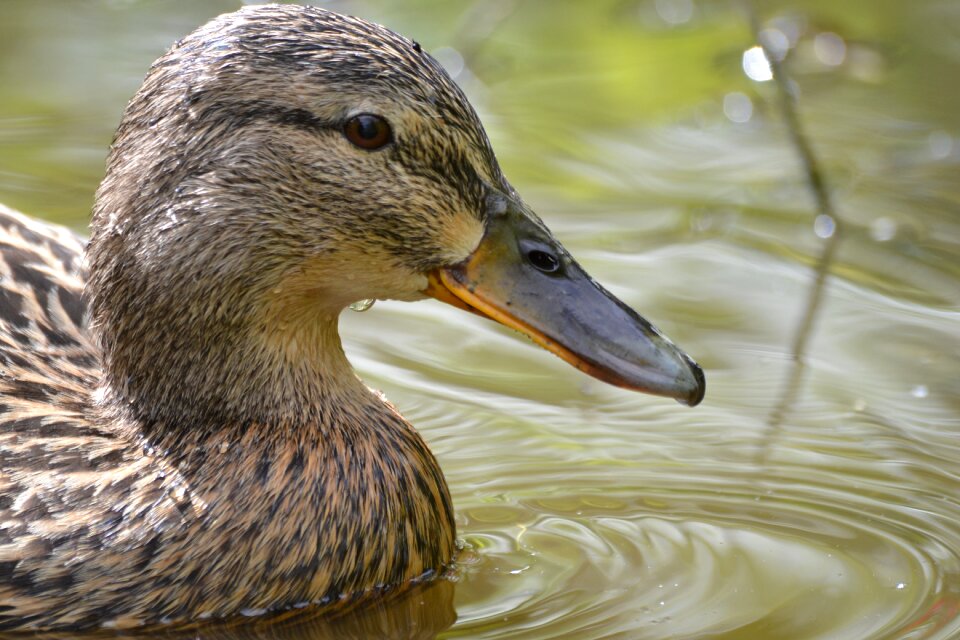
<point>239,113</point>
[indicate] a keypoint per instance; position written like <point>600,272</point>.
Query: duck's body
<point>100,527</point>
<point>186,439</point>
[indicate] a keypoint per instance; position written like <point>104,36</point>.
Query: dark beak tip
<point>700,388</point>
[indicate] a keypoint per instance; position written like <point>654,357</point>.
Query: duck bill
<point>521,277</point>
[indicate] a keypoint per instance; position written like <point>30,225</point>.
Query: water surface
<point>633,129</point>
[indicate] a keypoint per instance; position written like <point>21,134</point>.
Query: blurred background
<point>813,503</point>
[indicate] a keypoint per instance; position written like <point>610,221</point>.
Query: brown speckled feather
<point>100,532</point>
<point>99,528</point>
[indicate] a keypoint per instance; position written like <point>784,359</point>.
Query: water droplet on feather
<point>362,305</point>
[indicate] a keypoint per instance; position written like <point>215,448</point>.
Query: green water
<point>632,128</point>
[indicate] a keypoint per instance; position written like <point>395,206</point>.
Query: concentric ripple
<point>689,563</point>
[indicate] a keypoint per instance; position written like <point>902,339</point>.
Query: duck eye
<point>543,261</point>
<point>368,131</point>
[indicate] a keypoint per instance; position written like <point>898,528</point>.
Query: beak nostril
<point>543,261</point>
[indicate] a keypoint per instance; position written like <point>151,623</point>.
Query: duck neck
<point>276,365</point>
<point>299,455</point>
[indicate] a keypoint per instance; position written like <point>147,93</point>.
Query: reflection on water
<point>419,613</point>
<point>647,139</point>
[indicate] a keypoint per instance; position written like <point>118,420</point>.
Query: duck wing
<point>48,370</point>
<point>48,363</point>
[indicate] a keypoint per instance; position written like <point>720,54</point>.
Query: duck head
<point>283,162</point>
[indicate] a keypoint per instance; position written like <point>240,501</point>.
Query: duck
<point>182,437</point>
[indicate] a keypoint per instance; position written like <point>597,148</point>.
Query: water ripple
<point>728,561</point>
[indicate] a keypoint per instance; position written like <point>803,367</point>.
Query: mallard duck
<point>182,436</point>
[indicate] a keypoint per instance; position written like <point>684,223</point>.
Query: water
<point>635,131</point>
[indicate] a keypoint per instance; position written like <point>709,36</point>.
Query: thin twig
<point>815,180</point>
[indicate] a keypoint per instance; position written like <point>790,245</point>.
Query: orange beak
<point>521,277</point>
